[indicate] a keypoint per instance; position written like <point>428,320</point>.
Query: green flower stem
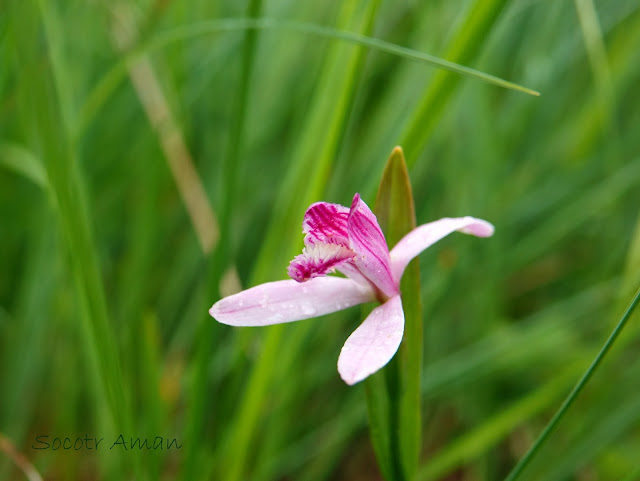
<point>517,470</point>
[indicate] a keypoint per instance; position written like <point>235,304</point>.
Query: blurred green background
<point>153,158</point>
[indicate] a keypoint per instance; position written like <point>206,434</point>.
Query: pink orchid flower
<point>351,242</point>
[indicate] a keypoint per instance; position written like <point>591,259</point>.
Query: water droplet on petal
<point>308,309</point>
<point>263,301</point>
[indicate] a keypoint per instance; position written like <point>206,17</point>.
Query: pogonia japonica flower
<point>350,241</point>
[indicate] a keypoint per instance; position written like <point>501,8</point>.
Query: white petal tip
<point>351,382</point>
<point>216,313</point>
<point>478,228</point>
<point>372,345</point>
<point>219,314</point>
<point>352,377</point>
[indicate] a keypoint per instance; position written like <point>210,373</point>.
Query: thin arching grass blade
<point>117,73</point>
<point>522,464</point>
<point>465,46</point>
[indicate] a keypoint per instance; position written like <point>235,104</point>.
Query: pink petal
<point>370,246</point>
<point>427,234</point>
<point>372,345</point>
<point>325,222</point>
<point>317,260</point>
<point>350,270</point>
<point>287,301</point>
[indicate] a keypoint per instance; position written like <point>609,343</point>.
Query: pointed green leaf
<point>396,431</point>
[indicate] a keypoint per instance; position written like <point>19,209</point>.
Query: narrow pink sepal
<point>370,246</point>
<point>326,223</point>
<point>288,301</point>
<point>372,345</point>
<point>426,235</point>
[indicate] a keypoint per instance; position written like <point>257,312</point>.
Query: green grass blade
<point>223,254</point>
<point>304,183</point>
<point>334,34</point>
<point>604,89</point>
<point>519,468</point>
<point>568,216</point>
<point>117,73</point>
<point>48,104</point>
<point>23,364</point>
<point>632,268</point>
<point>599,430</point>
<point>68,188</point>
<point>478,441</point>
<point>148,363</point>
<point>22,161</point>
<point>596,52</point>
<point>465,46</point>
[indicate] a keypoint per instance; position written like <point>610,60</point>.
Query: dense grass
<point>150,161</point>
